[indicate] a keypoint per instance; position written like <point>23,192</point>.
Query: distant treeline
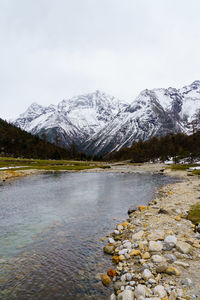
<point>18,143</point>
<point>177,146</point>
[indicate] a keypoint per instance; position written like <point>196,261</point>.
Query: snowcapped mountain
<point>73,120</point>
<point>99,123</point>
<point>153,112</point>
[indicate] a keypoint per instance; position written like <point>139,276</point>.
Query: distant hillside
<point>177,146</point>
<point>18,143</point>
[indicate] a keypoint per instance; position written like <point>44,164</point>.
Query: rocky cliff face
<point>99,123</point>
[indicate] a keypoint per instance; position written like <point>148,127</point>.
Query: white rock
<point>129,288</point>
<point>111,241</point>
<point>126,295</point>
<point>123,277</point>
<point>156,235</point>
<point>183,247</point>
<point>170,239</point>
<point>122,252</point>
<point>179,293</point>
<point>116,232</point>
<point>147,274</point>
<point>173,296</point>
<point>186,282</point>
<point>129,276</point>
<point>113,297</point>
<point>155,246</point>
<point>182,264</point>
<point>120,227</point>
<point>140,290</point>
<point>159,290</point>
<point>127,245</point>
<point>138,235</point>
<point>125,241</point>
<point>141,298</point>
<point>127,255</point>
<point>152,281</point>
<point>157,258</point>
<point>170,258</point>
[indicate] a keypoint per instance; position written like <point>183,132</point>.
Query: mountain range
<point>99,123</point>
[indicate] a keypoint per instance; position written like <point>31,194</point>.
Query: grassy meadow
<point>57,165</point>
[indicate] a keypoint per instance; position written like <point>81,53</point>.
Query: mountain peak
<point>34,106</point>
<point>196,83</point>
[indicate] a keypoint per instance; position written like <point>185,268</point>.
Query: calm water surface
<point>51,228</point>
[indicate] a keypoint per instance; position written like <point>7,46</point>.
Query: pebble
<point>156,235</point>
<point>157,258</point>
<point>106,280</point>
<point>112,273</point>
<point>116,232</point>
<point>127,256</point>
<point>117,285</point>
<point>152,281</point>
<point>127,245</point>
<point>129,276</point>
<point>138,235</point>
<point>123,277</point>
<point>186,282</point>
<point>172,271</point>
<point>182,264</point>
<point>146,255</point>
<point>121,257</point>
<point>173,296</point>
<point>147,274</point>
<point>109,249</point>
<point>161,268</point>
<point>129,288</point>
<point>183,247</point>
<point>159,290</point>
<point>170,258</point>
<point>115,259</point>
<point>111,241</point>
<point>135,253</point>
<point>122,252</point>
<point>126,295</point>
<point>155,246</point>
<point>168,246</point>
<point>120,227</point>
<point>113,297</point>
<point>170,239</point>
<point>140,290</point>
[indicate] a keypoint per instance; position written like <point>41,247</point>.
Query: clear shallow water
<point>51,228</point>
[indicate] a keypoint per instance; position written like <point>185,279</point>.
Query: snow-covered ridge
<point>99,123</point>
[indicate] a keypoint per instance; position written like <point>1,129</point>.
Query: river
<point>51,227</point>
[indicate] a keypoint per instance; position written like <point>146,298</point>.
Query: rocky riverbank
<point>156,251</point>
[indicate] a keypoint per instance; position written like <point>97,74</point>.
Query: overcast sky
<point>56,49</point>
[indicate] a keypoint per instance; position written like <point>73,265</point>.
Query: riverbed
<point>51,227</point>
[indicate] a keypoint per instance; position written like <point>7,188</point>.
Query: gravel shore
<point>156,251</point>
